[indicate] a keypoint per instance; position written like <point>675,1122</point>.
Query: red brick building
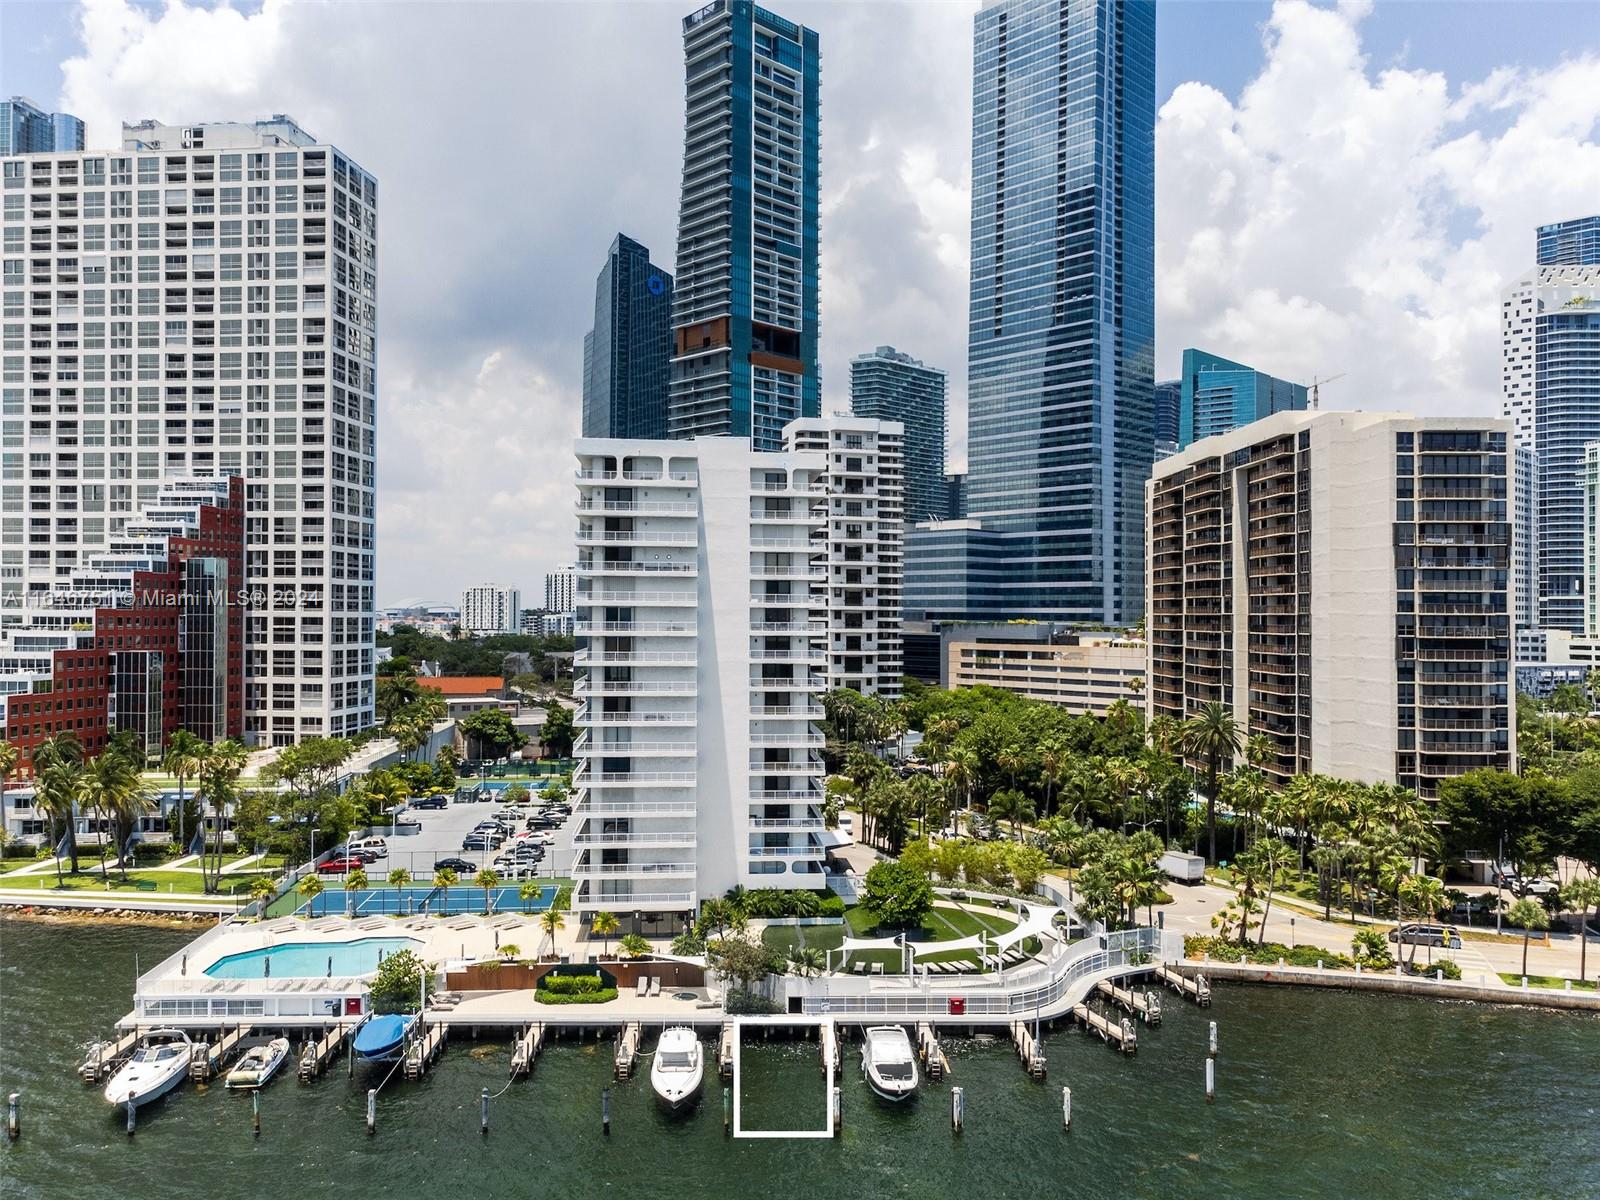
<point>170,658</point>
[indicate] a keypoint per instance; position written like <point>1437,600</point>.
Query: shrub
<point>599,996</point>
<point>1266,955</point>
<point>571,985</point>
<point>1451,968</point>
<point>1371,949</point>
<point>740,1001</point>
<point>397,986</point>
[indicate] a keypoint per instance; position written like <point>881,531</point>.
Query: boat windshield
<point>152,1054</point>
<point>895,1071</point>
<point>677,1059</point>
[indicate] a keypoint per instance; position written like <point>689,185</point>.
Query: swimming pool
<point>305,960</point>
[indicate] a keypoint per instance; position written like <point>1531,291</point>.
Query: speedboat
<point>677,1068</point>
<point>259,1064</point>
<point>889,1062</point>
<point>380,1039</point>
<point>159,1063</point>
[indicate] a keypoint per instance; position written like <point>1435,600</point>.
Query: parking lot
<point>440,837</point>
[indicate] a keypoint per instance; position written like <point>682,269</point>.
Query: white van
<point>370,845</point>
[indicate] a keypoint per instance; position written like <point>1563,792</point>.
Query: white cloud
<point>1334,216</point>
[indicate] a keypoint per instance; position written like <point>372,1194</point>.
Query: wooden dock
<point>933,1056</point>
<point>1120,1035</point>
<point>1028,1049</point>
<point>423,1049</point>
<point>832,1050</point>
<point>526,1050</point>
<point>1196,989</point>
<point>207,1058</point>
<point>626,1058</point>
<point>105,1057</point>
<point>320,1051</point>
<point>1145,1005</point>
<point>725,1050</point>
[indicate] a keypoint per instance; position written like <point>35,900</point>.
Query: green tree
<point>310,888</point>
<point>218,780</point>
<point>184,757</point>
<point>1530,915</point>
<point>557,733</point>
<point>397,985</point>
<point>488,879</point>
<point>552,920</point>
<point>807,961</point>
<point>899,896</point>
<point>1012,807</point>
<point>605,924</point>
<point>262,890</point>
<point>399,880</point>
<point>442,879</point>
<point>59,782</point>
<point>1214,736</point>
<point>529,892</point>
<point>634,945</point>
<point>493,733</point>
<point>1580,896</point>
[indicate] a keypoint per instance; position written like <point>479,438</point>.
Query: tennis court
<point>460,898</point>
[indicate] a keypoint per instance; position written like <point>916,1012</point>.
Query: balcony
<point>813,796</point>
<point>592,628</point>
<point>635,477</point>
<point>685,596</point>
<point>657,717</point>
<point>583,777</point>
<point>619,840</point>
<point>594,806</point>
<point>588,686</point>
<point>643,508</point>
<point>585,746</point>
<point>635,658</point>
<point>633,870</point>
<point>799,823</point>
<point>634,537</point>
<point>636,568</point>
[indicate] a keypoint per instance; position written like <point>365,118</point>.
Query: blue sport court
<point>434,901</point>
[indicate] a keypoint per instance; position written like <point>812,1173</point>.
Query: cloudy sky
<point>1340,188</point>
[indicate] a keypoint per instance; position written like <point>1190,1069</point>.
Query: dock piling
<point>1211,1041</point>
<point>838,1109</point>
<point>372,1110</point>
<point>13,1117</point>
<point>958,1109</point>
<point>132,1119</point>
<point>483,1118</point>
<point>727,1110</point>
<point>255,1110</point>
<point>1066,1109</point>
<point>605,1111</point>
<point>1211,1080</point>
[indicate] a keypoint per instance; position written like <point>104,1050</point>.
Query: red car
<point>339,866</point>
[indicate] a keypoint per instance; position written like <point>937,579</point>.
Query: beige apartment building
<point>1080,673</point>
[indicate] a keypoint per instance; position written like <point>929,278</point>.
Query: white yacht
<point>677,1068</point>
<point>159,1063</point>
<point>889,1062</point>
<point>259,1064</point>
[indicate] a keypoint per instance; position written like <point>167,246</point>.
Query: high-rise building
<point>1339,581</point>
<point>861,549</point>
<point>1525,549</point>
<point>626,354</point>
<point>209,294</point>
<point>559,588</point>
<point>697,680</point>
<point>1573,243</point>
<point>155,641</point>
<point>1062,325</point>
<point>1591,539</point>
<point>25,128</point>
<point>955,496</point>
<point>1218,394</point>
<point>1550,371</point>
<point>1169,399</point>
<point>745,301</point>
<point>488,608</point>
<point>890,386</point>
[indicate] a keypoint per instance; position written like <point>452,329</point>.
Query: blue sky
<point>1342,186</point>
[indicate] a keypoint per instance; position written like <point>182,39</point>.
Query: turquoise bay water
<point>1320,1095</point>
<point>297,960</point>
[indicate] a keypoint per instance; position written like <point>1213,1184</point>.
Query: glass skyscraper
<point>891,386</point>
<point>1060,344</point>
<point>744,355</point>
<point>625,355</point>
<point>1218,394</point>
<point>1570,243</point>
<point>1169,398</point>
<point>25,128</point>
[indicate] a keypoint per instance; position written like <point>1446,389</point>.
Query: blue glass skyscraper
<point>1570,243</point>
<point>744,355</point>
<point>1218,394</point>
<point>891,386</point>
<point>25,128</point>
<point>625,355</point>
<point>1060,344</point>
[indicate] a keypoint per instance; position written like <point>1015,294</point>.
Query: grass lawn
<point>181,882</point>
<point>1547,981</point>
<point>943,924</point>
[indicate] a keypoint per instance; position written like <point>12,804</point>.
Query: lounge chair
<point>643,986</point>
<point>877,968</point>
<point>655,985</point>
<point>859,968</point>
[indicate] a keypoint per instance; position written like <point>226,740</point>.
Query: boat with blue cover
<point>380,1039</point>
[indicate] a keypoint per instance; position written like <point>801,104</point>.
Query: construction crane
<point>1316,383</point>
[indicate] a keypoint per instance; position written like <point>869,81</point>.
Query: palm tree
<point>1012,806</point>
<point>399,880</point>
<point>311,887</point>
<point>1426,895</point>
<point>1010,760</point>
<point>529,892</point>
<point>1529,914</point>
<point>605,924</point>
<point>185,755</point>
<point>1213,735</point>
<point>488,879</point>
<point>634,945</point>
<point>442,879</point>
<point>113,785</point>
<point>1582,895</point>
<point>552,920</point>
<point>961,771</point>
<point>807,961</point>
<point>223,764</point>
<point>1052,763</point>
<point>58,789</point>
<point>261,891</point>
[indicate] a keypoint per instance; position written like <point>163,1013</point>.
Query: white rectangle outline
<point>826,1132</point>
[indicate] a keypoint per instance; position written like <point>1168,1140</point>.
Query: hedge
<point>1267,955</point>
<point>601,996</point>
<point>791,902</point>
<point>572,985</point>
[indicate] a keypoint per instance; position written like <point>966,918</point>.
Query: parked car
<point>377,845</point>
<point>458,865</point>
<point>341,865</point>
<point>543,822</point>
<point>1538,887</point>
<point>1413,934</point>
<point>516,872</point>
<point>481,841</point>
<point>524,854</point>
<point>430,801</point>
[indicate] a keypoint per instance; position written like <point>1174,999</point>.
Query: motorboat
<point>380,1039</point>
<point>159,1063</point>
<point>889,1062</point>
<point>677,1069</point>
<point>259,1064</point>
